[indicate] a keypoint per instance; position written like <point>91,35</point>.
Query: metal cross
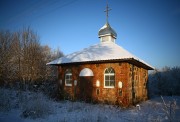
<point>107,11</point>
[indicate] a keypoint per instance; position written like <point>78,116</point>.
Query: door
<point>85,88</point>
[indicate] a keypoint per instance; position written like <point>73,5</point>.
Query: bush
<point>5,100</point>
<point>165,82</point>
<point>37,106</point>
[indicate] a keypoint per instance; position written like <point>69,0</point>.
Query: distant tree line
<point>23,59</point>
<point>164,82</point>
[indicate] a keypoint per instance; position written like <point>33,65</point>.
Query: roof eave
<point>129,60</point>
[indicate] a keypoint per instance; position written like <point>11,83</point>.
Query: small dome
<point>107,30</point>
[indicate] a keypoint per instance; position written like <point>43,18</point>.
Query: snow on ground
<point>35,107</point>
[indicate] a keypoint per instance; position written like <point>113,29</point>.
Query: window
<point>68,78</point>
<point>109,78</point>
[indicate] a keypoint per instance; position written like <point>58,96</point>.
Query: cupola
<point>107,34</point>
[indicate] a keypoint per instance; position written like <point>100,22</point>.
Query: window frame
<point>109,74</point>
<point>69,73</point>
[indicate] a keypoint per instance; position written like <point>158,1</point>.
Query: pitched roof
<point>99,52</point>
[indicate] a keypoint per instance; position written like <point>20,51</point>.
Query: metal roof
<point>107,30</point>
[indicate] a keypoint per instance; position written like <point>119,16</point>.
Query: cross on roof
<point>107,11</point>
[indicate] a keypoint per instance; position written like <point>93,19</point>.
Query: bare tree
<point>51,71</point>
<point>5,56</point>
<point>165,81</point>
<point>23,59</point>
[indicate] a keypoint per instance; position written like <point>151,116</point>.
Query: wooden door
<point>85,88</point>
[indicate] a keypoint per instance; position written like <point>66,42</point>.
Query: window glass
<point>111,83</point>
<point>112,77</point>
<point>106,77</point>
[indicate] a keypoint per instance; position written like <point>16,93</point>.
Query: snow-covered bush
<point>169,109</point>
<point>5,100</point>
<point>32,104</point>
<point>36,106</point>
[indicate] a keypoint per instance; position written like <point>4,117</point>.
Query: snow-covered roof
<point>99,52</point>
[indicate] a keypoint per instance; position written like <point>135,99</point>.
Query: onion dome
<point>106,30</point>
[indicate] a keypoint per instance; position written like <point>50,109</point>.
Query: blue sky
<point>149,29</point>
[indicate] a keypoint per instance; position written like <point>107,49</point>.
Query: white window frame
<point>70,74</point>
<point>109,74</point>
